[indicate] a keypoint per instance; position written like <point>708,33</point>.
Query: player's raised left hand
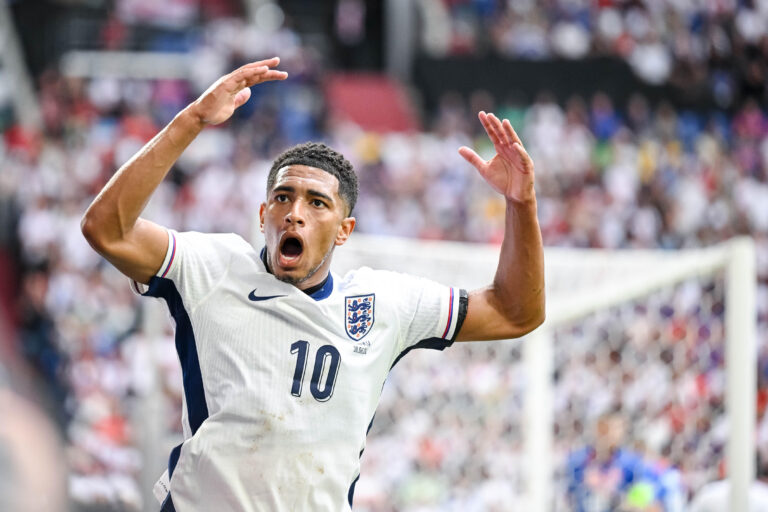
<point>510,171</point>
<point>231,91</point>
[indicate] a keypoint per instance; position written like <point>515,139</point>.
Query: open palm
<point>510,171</point>
<point>231,91</point>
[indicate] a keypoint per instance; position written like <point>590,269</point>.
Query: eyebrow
<point>287,188</point>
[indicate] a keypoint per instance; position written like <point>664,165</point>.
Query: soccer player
<point>284,361</point>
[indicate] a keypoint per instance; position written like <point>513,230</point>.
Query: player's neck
<point>314,289</point>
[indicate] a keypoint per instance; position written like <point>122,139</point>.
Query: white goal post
<point>579,283</point>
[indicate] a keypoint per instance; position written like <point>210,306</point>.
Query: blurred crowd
<point>720,47</point>
<point>638,175</point>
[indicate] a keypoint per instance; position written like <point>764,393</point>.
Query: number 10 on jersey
<point>326,352</point>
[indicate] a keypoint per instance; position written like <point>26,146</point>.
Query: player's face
<point>303,219</point>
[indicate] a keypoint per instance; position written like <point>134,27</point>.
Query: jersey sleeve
<point>430,314</point>
<point>195,263</point>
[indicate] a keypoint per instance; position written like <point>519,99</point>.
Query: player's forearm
<point>518,287</point>
<point>116,209</point>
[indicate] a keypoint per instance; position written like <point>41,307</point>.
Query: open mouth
<point>290,249</point>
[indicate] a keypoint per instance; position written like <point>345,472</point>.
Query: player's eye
<point>318,203</point>
<point>281,198</point>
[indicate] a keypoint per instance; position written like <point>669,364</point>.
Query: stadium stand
<point>719,46</point>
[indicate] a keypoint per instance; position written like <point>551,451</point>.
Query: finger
<point>524,157</point>
<point>259,66</point>
<point>499,129</point>
<point>250,68</point>
<point>270,63</point>
<point>489,129</point>
<point>263,74</point>
<point>500,141</point>
<point>472,157</point>
<point>510,132</point>
<point>273,74</point>
<point>242,97</point>
<point>266,76</point>
<point>245,74</point>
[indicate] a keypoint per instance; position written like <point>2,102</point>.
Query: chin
<point>291,279</point>
<point>294,276</point>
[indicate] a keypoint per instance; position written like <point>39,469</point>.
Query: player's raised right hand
<point>231,91</point>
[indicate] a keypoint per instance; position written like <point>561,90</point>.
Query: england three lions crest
<point>358,314</point>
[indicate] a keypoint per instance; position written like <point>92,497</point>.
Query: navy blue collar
<point>318,292</point>
<point>322,290</point>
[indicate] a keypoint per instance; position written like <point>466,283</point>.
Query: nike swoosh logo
<point>252,296</point>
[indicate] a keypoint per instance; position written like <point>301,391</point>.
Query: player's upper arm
<point>488,319</point>
<point>138,254</point>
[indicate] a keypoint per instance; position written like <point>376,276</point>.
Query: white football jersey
<point>280,386</point>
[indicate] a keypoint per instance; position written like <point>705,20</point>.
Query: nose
<point>295,214</point>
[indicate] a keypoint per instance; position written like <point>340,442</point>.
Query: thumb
<point>472,157</point>
<point>242,96</point>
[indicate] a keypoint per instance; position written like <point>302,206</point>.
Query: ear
<point>262,212</point>
<point>345,229</point>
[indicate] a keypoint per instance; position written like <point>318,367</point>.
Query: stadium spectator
<point>606,476</point>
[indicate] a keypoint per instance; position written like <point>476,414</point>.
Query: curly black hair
<point>317,154</point>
